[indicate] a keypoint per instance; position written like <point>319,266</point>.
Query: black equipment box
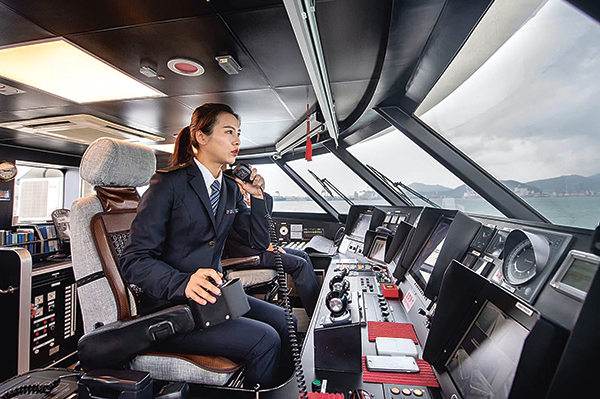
<point>338,345</point>
<point>231,304</point>
<point>120,384</point>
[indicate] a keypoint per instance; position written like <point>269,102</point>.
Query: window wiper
<point>328,186</point>
<point>399,187</point>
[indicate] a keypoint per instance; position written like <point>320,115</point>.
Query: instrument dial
<point>519,266</point>
<point>283,230</point>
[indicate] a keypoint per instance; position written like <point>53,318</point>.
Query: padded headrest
<point>108,162</point>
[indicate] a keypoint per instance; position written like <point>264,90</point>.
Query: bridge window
<point>327,166</point>
<point>402,161</point>
<point>526,108</point>
<point>287,196</point>
<point>39,190</point>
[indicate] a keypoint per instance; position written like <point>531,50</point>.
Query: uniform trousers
<point>259,340</point>
<point>297,264</point>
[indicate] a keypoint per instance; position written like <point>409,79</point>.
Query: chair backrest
<point>100,226</point>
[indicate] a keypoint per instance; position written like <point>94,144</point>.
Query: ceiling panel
<point>8,137</point>
<point>347,95</point>
<point>252,106</point>
<point>16,29</point>
<point>296,98</point>
<point>32,98</point>
<point>65,17</point>
<point>268,36</point>
<point>153,113</point>
<point>260,134</point>
<point>352,32</point>
<point>201,39</point>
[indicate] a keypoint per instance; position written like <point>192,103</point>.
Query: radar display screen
<point>484,363</point>
<point>423,266</point>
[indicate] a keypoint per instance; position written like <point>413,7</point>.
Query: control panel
<point>54,318</point>
<point>295,233</point>
<point>392,391</point>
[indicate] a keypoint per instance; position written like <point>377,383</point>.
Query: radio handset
<point>242,171</point>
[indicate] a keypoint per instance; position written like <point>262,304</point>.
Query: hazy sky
<point>530,112</point>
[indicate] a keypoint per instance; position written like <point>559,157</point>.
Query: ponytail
<point>183,150</point>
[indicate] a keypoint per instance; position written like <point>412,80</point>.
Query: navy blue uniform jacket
<point>175,233</point>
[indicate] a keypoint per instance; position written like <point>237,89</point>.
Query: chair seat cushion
<point>209,370</point>
<point>250,278</point>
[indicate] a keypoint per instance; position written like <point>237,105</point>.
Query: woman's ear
<point>201,137</point>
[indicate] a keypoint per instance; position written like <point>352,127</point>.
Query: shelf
<point>29,242</point>
<point>43,240</point>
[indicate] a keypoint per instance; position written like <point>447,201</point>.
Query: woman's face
<point>223,145</point>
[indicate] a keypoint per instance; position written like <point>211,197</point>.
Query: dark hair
<point>204,118</point>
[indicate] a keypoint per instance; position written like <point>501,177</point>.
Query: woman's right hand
<point>200,286</point>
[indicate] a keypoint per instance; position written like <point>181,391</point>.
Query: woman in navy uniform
<point>177,238</point>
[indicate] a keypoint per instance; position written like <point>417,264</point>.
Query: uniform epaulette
<point>175,167</point>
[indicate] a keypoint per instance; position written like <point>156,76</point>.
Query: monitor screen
<point>423,266</point>
<point>484,363</point>
<point>580,274</point>
<point>362,225</point>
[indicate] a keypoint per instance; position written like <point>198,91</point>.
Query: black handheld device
<point>242,171</point>
<point>232,304</point>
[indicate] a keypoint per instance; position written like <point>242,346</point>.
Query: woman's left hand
<point>255,188</point>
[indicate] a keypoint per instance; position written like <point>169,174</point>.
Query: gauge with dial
<point>526,255</point>
<point>519,265</point>
<point>283,230</point>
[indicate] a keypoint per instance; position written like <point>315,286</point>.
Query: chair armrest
<point>240,263</point>
<point>114,345</point>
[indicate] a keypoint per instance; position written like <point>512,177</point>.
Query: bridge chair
<point>100,226</point>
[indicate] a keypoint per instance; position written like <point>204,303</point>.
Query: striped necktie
<point>214,195</point>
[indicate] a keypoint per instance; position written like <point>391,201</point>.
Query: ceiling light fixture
<point>63,69</point>
<point>185,67</point>
<point>228,64</point>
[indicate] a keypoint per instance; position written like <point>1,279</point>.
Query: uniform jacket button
<point>212,244</point>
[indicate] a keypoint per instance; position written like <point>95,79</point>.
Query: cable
<point>243,172</point>
<point>281,278</point>
<point>33,389</point>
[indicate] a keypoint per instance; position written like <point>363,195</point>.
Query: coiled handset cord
<point>34,389</point>
<point>287,307</point>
